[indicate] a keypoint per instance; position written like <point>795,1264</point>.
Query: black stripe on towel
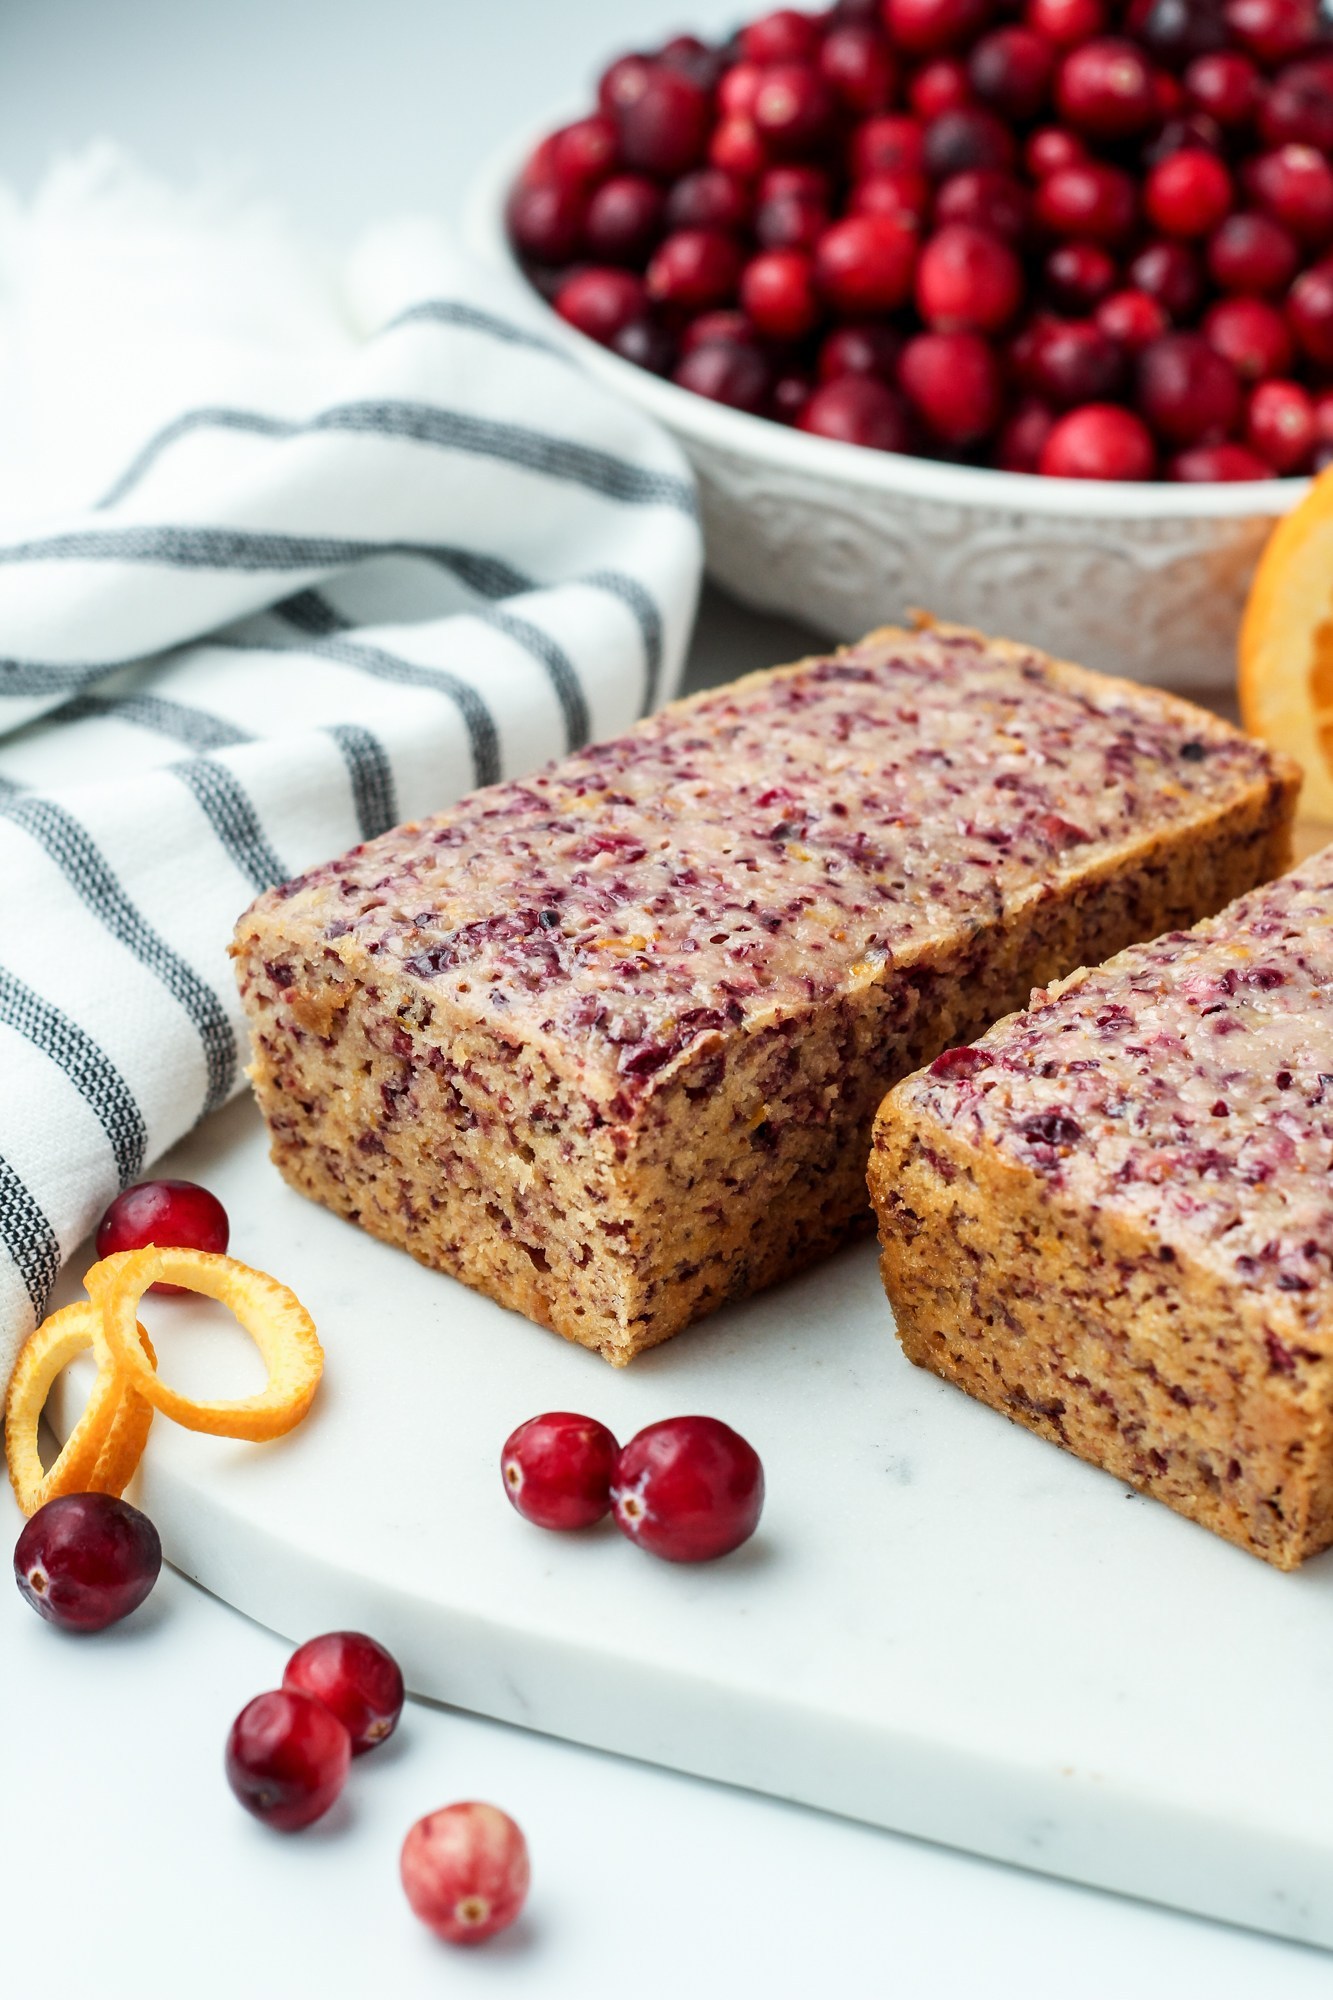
<point>453,312</point>
<point>29,1239</point>
<point>642,603</point>
<point>90,875</point>
<point>557,664</point>
<point>195,727</point>
<point>88,1068</point>
<point>374,794</point>
<point>228,808</point>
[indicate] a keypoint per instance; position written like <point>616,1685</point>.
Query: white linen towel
<point>269,583</point>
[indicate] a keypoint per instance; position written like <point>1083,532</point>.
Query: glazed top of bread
<point>1186,1084</point>
<point>743,853</point>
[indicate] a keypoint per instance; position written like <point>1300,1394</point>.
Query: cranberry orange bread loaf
<point>608,1043</point>
<point>1112,1218</point>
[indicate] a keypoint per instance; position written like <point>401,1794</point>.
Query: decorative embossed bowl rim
<point>695,419</point>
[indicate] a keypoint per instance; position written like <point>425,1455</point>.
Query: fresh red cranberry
<point>86,1560</point>
<point>790,222</point>
<point>799,178</point>
<point>1252,335</point>
<point>1187,392</point>
<point>1310,313</point>
<point>1188,194</point>
<point>1280,426</point>
<point>465,1871</point>
<point>988,198</point>
<point>600,300</point>
<point>622,81</point>
<point>784,36</point>
<point>940,86</point>
<point>971,137</point>
<point>778,293</point>
<point>858,66</point>
<point>584,152</point>
<point>1297,108</point>
<point>647,345</point>
<point>624,219</point>
<point>736,91</point>
<point>725,371</point>
<point>1050,149</point>
<point>1089,199</point>
<point>790,393</point>
<point>882,145</point>
<point>1104,89</point>
<point>287,1758</point>
<point>1295,184</point>
<point>1211,464</point>
<point>1078,276</point>
<point>857,409</point>
<point>355,1678</point>
<point>953,382</point>
<point>1252,253</point>
<point>925,27</point>
<point>903,192</point>
<point>1131,319</point>
<point>176,1215</point>
<point>546,220</point>
<point>872,349</point>
<point>695,59</point>
<point>968,280</point>
<point>1274,30</point>
<point>1018,447</point>
<point>694,269</point>
<point>663,129</point>
<point>1066,22</point>
<point>793,110</point>
<point>736,147</point>
<point>1010,70</point>
<point>1176,30</point>
<point>688,1489</point>
<point>1226,86</point>
<point>865,264</point>
<point>1068,362</point>
<point>708,198</point>
<point>1172,275</point>
<point>1099,441</point>
<point>728,323</point>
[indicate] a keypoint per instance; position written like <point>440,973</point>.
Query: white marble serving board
<point>943,1626</point>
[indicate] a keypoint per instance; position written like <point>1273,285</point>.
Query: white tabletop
<point>127,1868</point>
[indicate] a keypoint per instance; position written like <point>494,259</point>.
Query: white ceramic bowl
<point>1138,579</point>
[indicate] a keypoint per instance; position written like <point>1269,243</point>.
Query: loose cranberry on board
<point>86,1560</point>
<point>557,1470</point>
<point>175,1215</point>
<point>688,1489</point>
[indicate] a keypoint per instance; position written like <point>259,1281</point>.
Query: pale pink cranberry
<point>858,409</point>
<point>730,372</point>
<point>736,147</point>
<point>958,141</point>
<point>968,280</point>
<point>287,1758</point>
<point>872,349</point>
<point>1295,184</point>
<point>708,198</point>
<point>939,86</point>
<point>1188,194</point>
<point>953,382</point>
<point>694,269</point>
<point>1252,253</point>
<point>1050,149</point>
<point>663,128</point>
<point>1297,108</point>
<point>1078,276</point>
<point>600,300</point>
<point>925,27</point>
<point>1066,22</point>
<point>881,145</point>
<point>1209,464</point>
<point>557,1470</point>
<point>1252,335</point>
<point>989,198</point>
<point>465,1871</point>
<point>1099,441</point>
<point>1274,30</point>
<point>793,110</point>
<point>688,1489</point>
<point>1023,435</point>
<point>780,37</point>
<point>86,1560</point>
<point>175,1215</point>
<point>898,191</point>
<point>778,293</point>
<point>355,1678</point>
<point>1225,84</point>
<point>1280,425</point>
<point>624,219</point>
<point>1010,69</point>
<point>1187,391</point>
<point>1088,199</point>
<point>1105,89</point>
<point>1310,313</point>
<point>1172,274</point>
<point>859,67</point>
<point>865,264</point>
<point>1131,318</point>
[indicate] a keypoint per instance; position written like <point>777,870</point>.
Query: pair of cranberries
<point>289,1750</point>
<point>970,229</point>
<point>687,1489</point>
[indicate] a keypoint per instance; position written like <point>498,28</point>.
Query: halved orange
<point>1286,645</point>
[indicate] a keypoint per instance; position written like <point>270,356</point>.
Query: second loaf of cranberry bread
<point>608,1043</point>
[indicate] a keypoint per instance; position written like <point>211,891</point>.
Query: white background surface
<point>125,1867</point>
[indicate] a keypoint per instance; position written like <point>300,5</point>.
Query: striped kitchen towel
<point>269,583</point>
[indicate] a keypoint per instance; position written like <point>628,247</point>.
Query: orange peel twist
<point>105,1445</point>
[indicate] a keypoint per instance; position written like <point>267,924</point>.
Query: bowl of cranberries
<point>1021,310</point>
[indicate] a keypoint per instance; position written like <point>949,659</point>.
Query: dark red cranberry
<point>865,264</point>
<point>647,345</point>
<point>925,27</point>
<point>695,59</point>
<point>1104,89</point>
<point>873,349</point>
<point>968,280</point>
<point>1297,108</point>
<point>355,1678</point>
<point>1295,185</point>
<point>1252,253</point>
<point>790,222</point>
<point>793,110</point>
<point>1172,275</point>
<point>784,36</point>
<point>1252,335</point>
<point>622,81</point>
<point>971,137</point>
<point>1280,426</point>
<point>546,220</point>
<point>663,129</point>
<point>708,199</point>
<point>1067,23</point>
<point>1131,319</point>
<point>1211,464</point>
<point>857,409</point>
<point>953,382</point>
<point>989,198</point>
<point>176,1215</point>
<point>287,1758</point>
<point>1310,313</point>
<point>86,1560</point>
<point>903,192</point>
<point>1188,194</point>
<point>1010,70</point>
<point>1089,199</point>
<point>694,269</point>
<point>790,394</point>
<point>882,144</point>
<point>778,292</point>
<point>1078,276</point>
<point>1050,149</point>
<point>858,66</point>
<point>1099,441</point>
<point>728,323</point>
<point>600,300</point>
<point>688,1490</point>
<point>1274,30</point>
<point>736,147</point>
<point>940,86</point>
<point>1187,391</point>
<point>798,178</point>
<point>624,219</point>
<point>726,372</point>
<point>1018,448</point>
<point>1192,132</point>
<point>584,152</point>
<point>1068,362</point>
<point>1226,86</point>
<point>557,1470</point>
<point>1177,30</point>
